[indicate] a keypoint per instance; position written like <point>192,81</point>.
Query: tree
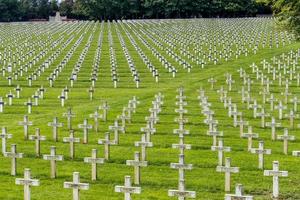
<point>9,10</point>
<point>66,8</point>
<point>288,13</point>
<point>53,7</point>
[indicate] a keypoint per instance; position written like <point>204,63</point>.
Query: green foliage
<point>288,13</point>
<point>14,10</point>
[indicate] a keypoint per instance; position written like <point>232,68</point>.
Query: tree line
<point>288,11</point>
<point>23,10</point>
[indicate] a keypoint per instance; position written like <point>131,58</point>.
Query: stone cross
<point>127,189</point>
<point>123,117</point>
<point>105,108</point>
<point>261,151</point>
<point>214,133</point>
<point>238,194</point>
<point>280,108</point>
<point>144,144</point>
<point>96,116</point>
<point>36,97</point>
<point>62,98</point>
<point>137,164</point>
<point>250,135</point>
<point>272,99</point>
<point>29,105</point>
<point>285,137</point>
<point>255,106</point>
<point>296,153</point>
<point>235,114</point>
<point>69,115</point>
<point>295,102</point>
<point>94,161</point>
<point>85,126</point>
<point>2,103</point>
<point>25,123</point>
<point>273,126</point>
<point>220,148</point>
<point>38,138</point>
<point>116,128</point>
<point>211,122</point>
<point>55,124</point>
<point>18,90</point>
<point>181,193</point>
<point>72,140</point>
<point>148,130</point>
<point>13,155</point>
<point>134,102</point>
<point>91,91</point>
<point>53,158</point>
<point>181,122</point>
<point>242,123</point>
<point>181,146</point>
<point>228,170</point>
<point>76,185</point>
<point>264,92</point>
<point>212,81</point>
<point>276,174</point>
<point>263,115</point>
<point>106,142</point>
<point>181,111</point>
<point>4,135</point>
<point>10,97</point>
<point>181,166</point>
<point>292,117</point>
<point>27,182</point>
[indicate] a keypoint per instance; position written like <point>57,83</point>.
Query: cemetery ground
<point>88,39</point>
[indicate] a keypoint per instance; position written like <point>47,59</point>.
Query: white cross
<point>127,189</point>
<point>94,161</point>
<point>71,139</point>
<point>250,135</point>
<point>116,128</point>
<point>27,182</point>
<point>38,138</point>
<point>105,108</point>
<point>106,142</point>
<point>96,115</point>
<point>29,105</point>
<point>69,115</point>
<point>280,108</point>
<point>4,135</point>
<point>285,137</point>
<point>13,155</point>
<point>214,133</point>
<point>261,151</point>
<point>181,193</point>
<point>273,126</point>
<point>220,148</point>
<point>181,146</point>
<point>263,115</point>
<point>137,164</point>
<point>228,170</point>
<point>53,158</point>
<point>25,123</point>
<point>76,185</point>
<point>238,194</point>
<point>181,166</point>
<point>85,126</point>
<point>276,174</point>
<point>144,144</point>
<point>55,124</point>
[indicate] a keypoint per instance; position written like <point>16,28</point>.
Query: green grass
<point>158,177</point>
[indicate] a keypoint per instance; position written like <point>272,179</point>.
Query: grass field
<point>158,177</point>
